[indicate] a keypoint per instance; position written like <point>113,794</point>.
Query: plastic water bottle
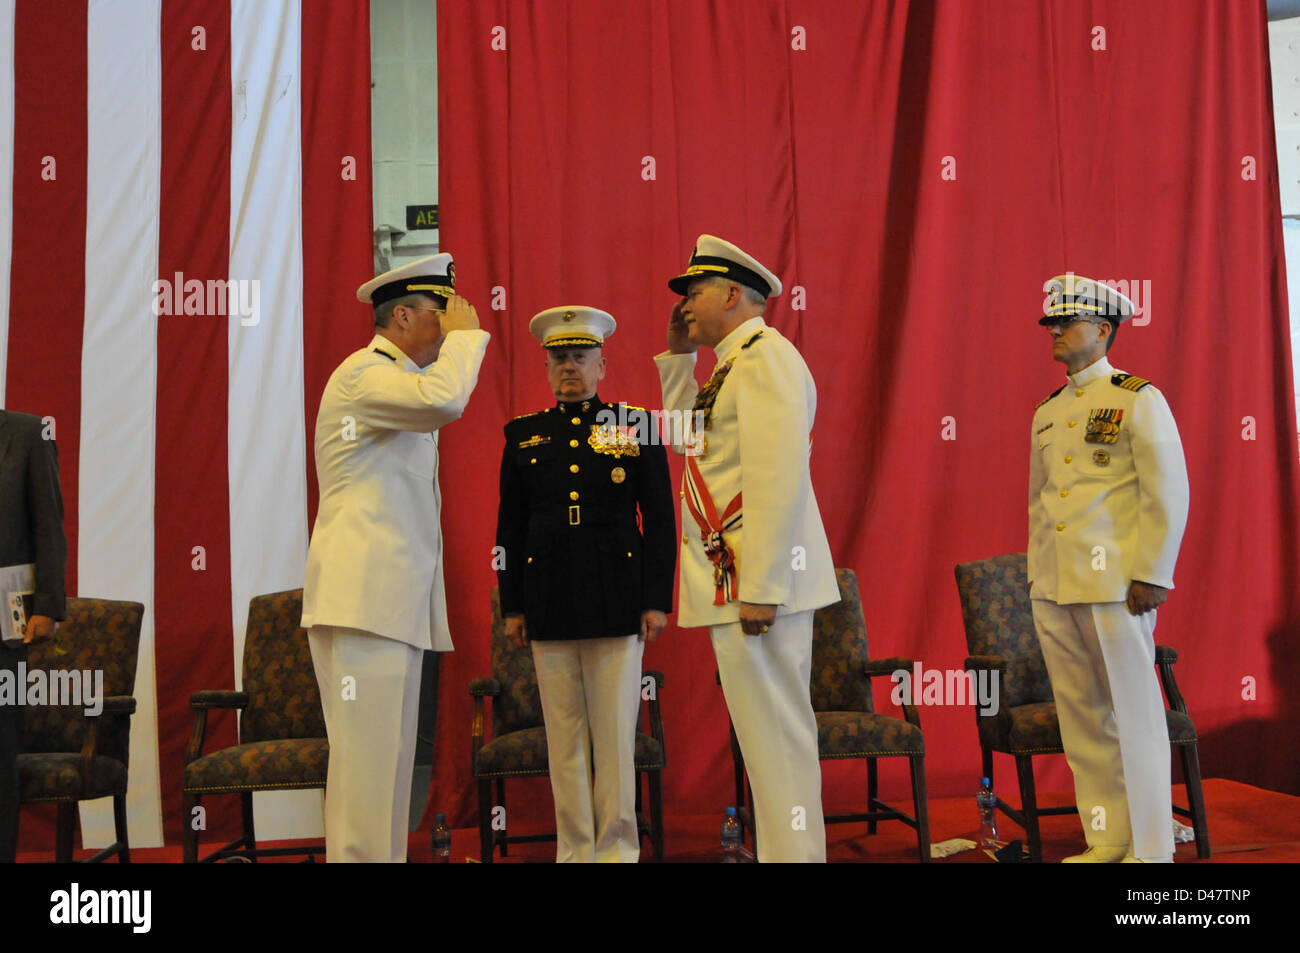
<point>988,803</point>
<point>441,840</point>
<point>733,840</point>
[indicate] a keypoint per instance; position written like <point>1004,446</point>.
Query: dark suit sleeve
<point>658,529</point>
<point>512,535</point>
<point>46,504</point>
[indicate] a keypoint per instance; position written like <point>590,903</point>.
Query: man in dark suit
<point>583,582</point>
<point>31,531</point>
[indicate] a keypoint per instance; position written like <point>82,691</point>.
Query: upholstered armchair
<point>281,727</point>
<point>1000,637</point>
<point>69,755</point>
<point>517,747</point>
<point>848,726</point>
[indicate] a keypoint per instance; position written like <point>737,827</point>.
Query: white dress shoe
<point>1099,855</point>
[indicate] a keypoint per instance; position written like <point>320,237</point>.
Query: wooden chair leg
<point>250,832</point>
<point>505,816</point>
<point>66,830</point>
<point>655,780</point>
<point>189,836</point>
<point>120,829</point>
<point>1195,799</point>
<point>737,766</point>
<point>485,820</point>
<point>1029,806</point>
<point>920,807</point>
<point>753,817</point>
<point>872,791</point>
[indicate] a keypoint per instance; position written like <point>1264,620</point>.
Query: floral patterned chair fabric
<point>517,748</point>
<point>847,723</point>
<point>282,737</point>
<point>70,755</point>
<point>1000,637</point>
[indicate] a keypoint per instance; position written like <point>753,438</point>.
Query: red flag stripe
<point>46,314</point>
<point>337,248</point>
<point>192,503</point>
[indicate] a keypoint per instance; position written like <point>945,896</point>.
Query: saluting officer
<point>374,594</point>
<point>582,581</point>
<point>1108,502</point>
<point>755,559</point>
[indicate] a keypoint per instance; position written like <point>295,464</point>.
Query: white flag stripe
<point>6,177</point>
<point>266,441</point>
<point>115,557</point>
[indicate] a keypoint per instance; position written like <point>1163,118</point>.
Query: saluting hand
<point>679,335</point>
<point>459,315</point>
<point>1143,597</point>
<point>516,631</point>
<point>652,623</point>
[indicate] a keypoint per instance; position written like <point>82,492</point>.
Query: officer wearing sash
<point>374,598</point>
<point>755,562</point>
<point>1108,501</point>
<point>582,582</point>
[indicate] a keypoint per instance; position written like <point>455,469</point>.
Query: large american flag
<point>211,139</point>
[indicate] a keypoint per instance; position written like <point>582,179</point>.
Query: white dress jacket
<point>758,442</point>
<point>375,559</point>
<point>1108,492</point>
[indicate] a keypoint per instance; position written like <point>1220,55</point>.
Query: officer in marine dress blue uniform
<point>584,581</point>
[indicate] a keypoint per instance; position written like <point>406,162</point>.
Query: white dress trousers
<point>591,693</point>
<point>765,681</point>
<point>1101,661</point>
<point>371,722</point>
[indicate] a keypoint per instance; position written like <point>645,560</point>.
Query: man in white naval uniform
<point>373,598</point>
<point>1108,500</point>
<point>754,567</point>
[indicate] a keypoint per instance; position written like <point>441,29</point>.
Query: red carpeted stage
<point>1247,825</point>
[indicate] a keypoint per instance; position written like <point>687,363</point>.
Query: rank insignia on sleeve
<point>536,440</point>
<point>617,441</point>
<point>1103,425</point>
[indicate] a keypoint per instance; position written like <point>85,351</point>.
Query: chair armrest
<point>484,686</point>
<point>114,706</point>
<point>990,663</point>
<point>1166,656</point>
<point>877,667</point>
<point>119,705</point>
<point>218,699</point>
<point>656,715</point>
<point>478,725</point>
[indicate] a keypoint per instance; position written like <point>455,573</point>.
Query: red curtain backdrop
<point>917,170</point>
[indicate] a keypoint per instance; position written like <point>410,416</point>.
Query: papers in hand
<point>17,587</point>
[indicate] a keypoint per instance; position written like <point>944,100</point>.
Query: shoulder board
<point>632,407</point>
<point>385,354</point>
<point>1129,381</point>
<point>535,413</point>
<point>1049,397</point>
<point>756,335</point>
